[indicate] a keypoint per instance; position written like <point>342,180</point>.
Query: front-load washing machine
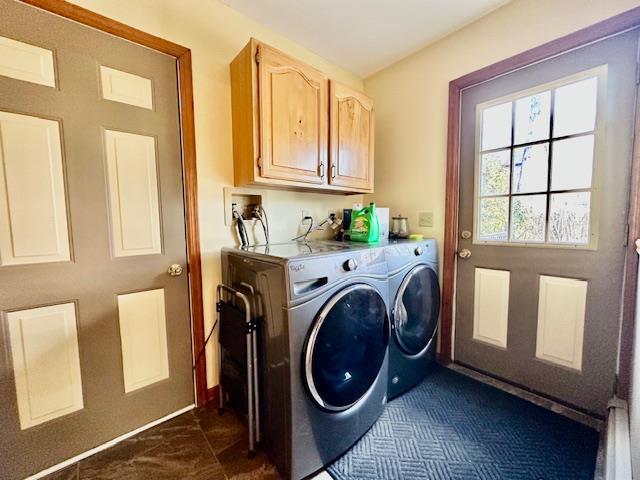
<point>324,337</point>
<point>414,294</point>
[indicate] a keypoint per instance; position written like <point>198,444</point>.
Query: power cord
<point>261,214</point>
<point>195,363</point>
<point>304,235</point>
<point>240,225</point>
<point>329,220</point>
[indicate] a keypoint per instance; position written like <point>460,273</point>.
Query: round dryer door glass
<point>346,347</point>
<point>416,309</point>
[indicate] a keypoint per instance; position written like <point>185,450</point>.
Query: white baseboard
<point>108,444</point>
<point>618,449</point>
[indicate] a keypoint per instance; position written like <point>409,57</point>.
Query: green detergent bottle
<point>365,226</point>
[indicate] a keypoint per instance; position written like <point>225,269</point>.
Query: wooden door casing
<point>293,118</point>
<point>351,138</point>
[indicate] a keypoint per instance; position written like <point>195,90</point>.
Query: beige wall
<point>215,34</point>
<point>411,96</point>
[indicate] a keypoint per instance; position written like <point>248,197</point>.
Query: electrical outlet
<point>306,213</point>
<point>425,219</point>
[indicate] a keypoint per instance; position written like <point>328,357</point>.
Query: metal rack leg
<point>250,400</point>
<point>256,390</point>
<point>220,389</point>
<point>254,341</point>
<point>252,376</point>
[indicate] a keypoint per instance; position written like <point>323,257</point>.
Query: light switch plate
<point>425,219</point>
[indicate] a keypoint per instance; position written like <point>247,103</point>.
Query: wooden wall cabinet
<point>281,126</point>
<point>351,138</point>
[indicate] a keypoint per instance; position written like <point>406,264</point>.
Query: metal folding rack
<point>251,341</point>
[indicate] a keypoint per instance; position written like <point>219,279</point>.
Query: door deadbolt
<point>466,234</point>
<point>175,270</point>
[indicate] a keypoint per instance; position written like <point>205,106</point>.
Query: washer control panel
<point>308,275</point>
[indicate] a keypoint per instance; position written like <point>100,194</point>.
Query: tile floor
<point>199,444</point>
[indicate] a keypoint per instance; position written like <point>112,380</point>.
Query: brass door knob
<point>175,270</point>
<point>464,253</point>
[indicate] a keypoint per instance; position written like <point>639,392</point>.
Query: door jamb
<point>187,131</point>
<point>611,26</point>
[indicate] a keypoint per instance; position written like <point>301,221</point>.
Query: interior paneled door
<point>95,335</point>
<point>545,163</point>
<point>293,118</point>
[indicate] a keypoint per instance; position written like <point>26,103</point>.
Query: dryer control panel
<point>403,252</point>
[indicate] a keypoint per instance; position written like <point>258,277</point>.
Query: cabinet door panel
<point>293,119</point>
<point>352,134</point>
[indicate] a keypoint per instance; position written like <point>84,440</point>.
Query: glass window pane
<point>494,173</point>
<point>532,118</point>
<point>569,217</point>
<point>493,219</point>
<point>575,108</point>
<point>528,215</point>
<point>496,127</point>
<point>572,163</point>
<point>530,167</point>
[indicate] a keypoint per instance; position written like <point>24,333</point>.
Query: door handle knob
<point>175,270</point>
<point>464,253</point>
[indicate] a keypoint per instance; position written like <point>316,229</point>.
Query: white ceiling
<point>364,36</point>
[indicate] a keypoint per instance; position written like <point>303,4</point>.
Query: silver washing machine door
<point>416,309</point>
<point>346,347</point>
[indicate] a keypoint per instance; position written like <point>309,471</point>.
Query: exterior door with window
<point>545,163</point>
<point>94,333</point>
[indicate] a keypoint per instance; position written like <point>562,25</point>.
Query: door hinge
<point>257,56</point>
<point>260,163</point>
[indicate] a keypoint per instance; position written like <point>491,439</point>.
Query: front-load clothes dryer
<point>323,346</point>
<point>414,294</point>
